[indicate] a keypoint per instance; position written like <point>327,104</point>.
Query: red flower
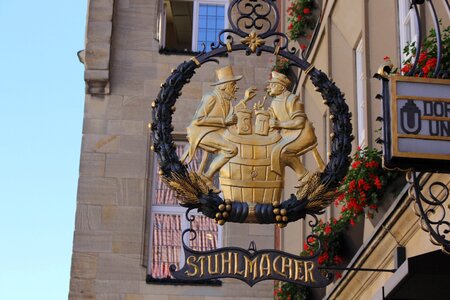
<point>327,229</point>
<point>406,68</point>
<point>371,164</point>
<point>373,206</point>
<point>305,246</point>
<point>299,17</point>
<point>377,183</point>
<point>386,58</point>
<point>311,240</point>
<point>323,258</point>
<point>356,164</point>
<point>432,62</point>
<point>351,186</point>
<point>290,26</point>
<point>303,46</point>
<point>306,10</point>
<point>352,222</point>
<point>422,56</point>
<point>362,185</point>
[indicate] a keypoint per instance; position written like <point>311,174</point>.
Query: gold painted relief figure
<point>288,116</point>
<point>250,148</point>
<point>213,116</point>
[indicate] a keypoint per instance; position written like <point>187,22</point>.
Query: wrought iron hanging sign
<point>419,124</point>
<point>248,149</point>
<point>416,131</point>
<point>251,266</point>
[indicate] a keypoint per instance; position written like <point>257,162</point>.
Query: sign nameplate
<point>420,122</point>
<point>251,266</point>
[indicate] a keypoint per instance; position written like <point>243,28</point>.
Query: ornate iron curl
<point>256,13</point>
<point>173,268</point>
<point>438,227</point>
<point>208,202</point>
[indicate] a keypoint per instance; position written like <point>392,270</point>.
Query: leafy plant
<point>281,65</point>
<point>359,194</point>
<point>300,18</point>
<point>289,291</point>
<point>428,54</point>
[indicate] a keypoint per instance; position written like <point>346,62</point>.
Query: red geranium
<point>323,258</point>
<point>359,193</point>
<point>406,68</point>
<point>427,58</point>
<point>356,164</point>
<point>301,18</point>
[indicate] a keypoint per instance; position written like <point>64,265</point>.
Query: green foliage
<point>360,193</point>
<point>281,65</point>
<point>300,18</point>
<point>428,54</point>
<point>289,291</point>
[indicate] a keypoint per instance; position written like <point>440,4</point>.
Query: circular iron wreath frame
<point>169,162</point>
<point>164,106</point>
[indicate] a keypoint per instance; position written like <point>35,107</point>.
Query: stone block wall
<point>123,73</point>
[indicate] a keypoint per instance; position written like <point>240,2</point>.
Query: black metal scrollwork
<point>208,202</point>
<point>431,209</point>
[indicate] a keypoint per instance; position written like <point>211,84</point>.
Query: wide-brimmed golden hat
<point>225,75</point>
<point>280,78</point>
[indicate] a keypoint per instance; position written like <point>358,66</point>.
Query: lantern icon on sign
<point>410,116</point>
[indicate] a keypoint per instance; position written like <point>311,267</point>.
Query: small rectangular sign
<point>420,123</point>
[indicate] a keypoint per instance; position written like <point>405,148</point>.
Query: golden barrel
<point>247,177</point>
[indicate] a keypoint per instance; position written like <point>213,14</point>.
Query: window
<point>167,224</point>
<point>360,98</point>
<point>407,24</point>
<point>326,136</point>
<point>188,24</point>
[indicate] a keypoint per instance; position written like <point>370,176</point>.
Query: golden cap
<point>280,78</point>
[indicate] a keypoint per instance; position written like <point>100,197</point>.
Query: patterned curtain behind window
<point>206,234</point>
<point>167,227</point>
<point>166,243</point>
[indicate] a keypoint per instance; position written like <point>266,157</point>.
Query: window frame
<point>171,210</point>
<point>361,102</point>
<point>161,29</point>
<point>195,18</point>
<point>407,25</point>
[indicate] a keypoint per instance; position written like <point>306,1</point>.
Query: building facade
<point>352,42</point>
<point>128,227</point>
